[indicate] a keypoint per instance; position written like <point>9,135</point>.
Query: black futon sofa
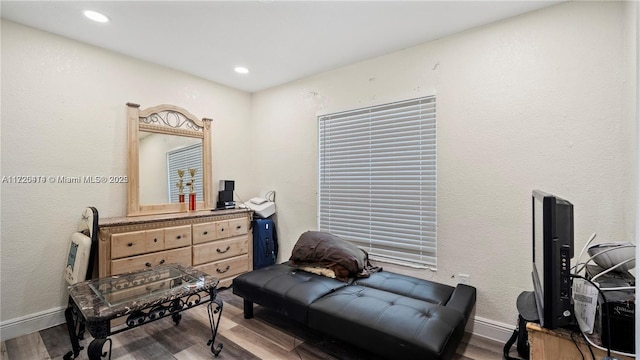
<point>388,314</point>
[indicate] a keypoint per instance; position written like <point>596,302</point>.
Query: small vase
<point>181,198</point>
<point>192,202</point>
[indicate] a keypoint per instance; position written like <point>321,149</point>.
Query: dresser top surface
<point>129,220</point>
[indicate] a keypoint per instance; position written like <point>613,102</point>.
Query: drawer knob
<point>239,227</point>
<point>222,229</point>
<point>223,271</point>
<point>161,261</point>
<point>130,244</point>
<point>155,240</point>
<point>178,237</point>
<point>147,264</point>
<point>223,251</point>
<point>205,233</point>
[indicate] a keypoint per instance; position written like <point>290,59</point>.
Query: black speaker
<point>225,195</point>
<point>617,321</point>
<point>227,185</point>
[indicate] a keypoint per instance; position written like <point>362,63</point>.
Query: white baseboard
<point>31,323</point>
<point>490,329</point>
<point>10,329</point>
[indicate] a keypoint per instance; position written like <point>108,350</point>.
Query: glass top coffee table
<point>142,297</point>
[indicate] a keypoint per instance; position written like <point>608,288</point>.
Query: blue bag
<point>265,243</point>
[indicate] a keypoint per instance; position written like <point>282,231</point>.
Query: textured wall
<point>536,101</point>
<point>64,114</point>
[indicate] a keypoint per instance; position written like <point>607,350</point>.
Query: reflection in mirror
<point>161,155</point>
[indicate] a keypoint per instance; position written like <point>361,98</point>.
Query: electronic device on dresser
<point>225,195</point>
<point>552,242</point>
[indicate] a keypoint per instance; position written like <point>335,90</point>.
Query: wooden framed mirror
<point>162,140</point>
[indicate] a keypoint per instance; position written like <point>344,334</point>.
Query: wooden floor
<point>267,336</point>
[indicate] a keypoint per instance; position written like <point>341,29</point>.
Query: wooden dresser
<point>218,242</point>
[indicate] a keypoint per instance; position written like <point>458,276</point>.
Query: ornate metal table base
<point>101,330</point>
<point>138,313</point>
<point>214,323</point>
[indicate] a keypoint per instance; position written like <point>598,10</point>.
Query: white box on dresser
<point>217,242</point>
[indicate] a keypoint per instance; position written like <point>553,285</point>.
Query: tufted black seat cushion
<point>412,287</point>
<point>461,297</point>
<point>388,324</point>
<point>284,289</point>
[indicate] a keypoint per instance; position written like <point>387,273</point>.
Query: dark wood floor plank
<point>56,340</point>
<point>28,346</point>
<point>189,332</point>
<point>274,335</point>
<point>256,343</point>
<point>228,297</point>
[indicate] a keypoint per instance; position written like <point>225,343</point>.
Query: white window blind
<point>377,185</point>
<point>185,158</point>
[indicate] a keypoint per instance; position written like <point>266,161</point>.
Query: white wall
<point>64,114</point>
<point>537,101</point>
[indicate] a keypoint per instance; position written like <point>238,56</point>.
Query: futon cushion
<point>284,289</point>
<point>415,288</point>
<point>461,298</point>
<point>388,324</point>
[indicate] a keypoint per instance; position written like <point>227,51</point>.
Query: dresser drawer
<point>225,268</point>
<point>220,249</point>
<point>177,236</point>
<point>238,226</point>
<point>204,232</point>
<point>181,256</point>
<point>222,229</point>
<point>137,242</point>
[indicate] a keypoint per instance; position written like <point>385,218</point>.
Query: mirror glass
<point>160,157</point>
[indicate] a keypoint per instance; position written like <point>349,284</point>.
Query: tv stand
<point>561,343</point>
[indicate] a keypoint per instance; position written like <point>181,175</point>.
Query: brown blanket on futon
<point>324,250</point>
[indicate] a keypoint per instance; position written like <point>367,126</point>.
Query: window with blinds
<point>185,158</point>
<point>377,185</point>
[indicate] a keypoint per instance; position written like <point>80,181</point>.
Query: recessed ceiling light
<point>241,70</point>
<point>96,16</point>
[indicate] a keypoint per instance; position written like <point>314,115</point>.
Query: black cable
<point>593,356</point>
<point>239,198</point>
<point>606,312</point>
<point>271,196</point>
<point>509,344</point>
<point>577,346</point>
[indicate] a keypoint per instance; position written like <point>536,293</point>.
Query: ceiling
<point>278,41</point>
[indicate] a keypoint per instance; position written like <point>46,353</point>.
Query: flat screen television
<point>552,253</point>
